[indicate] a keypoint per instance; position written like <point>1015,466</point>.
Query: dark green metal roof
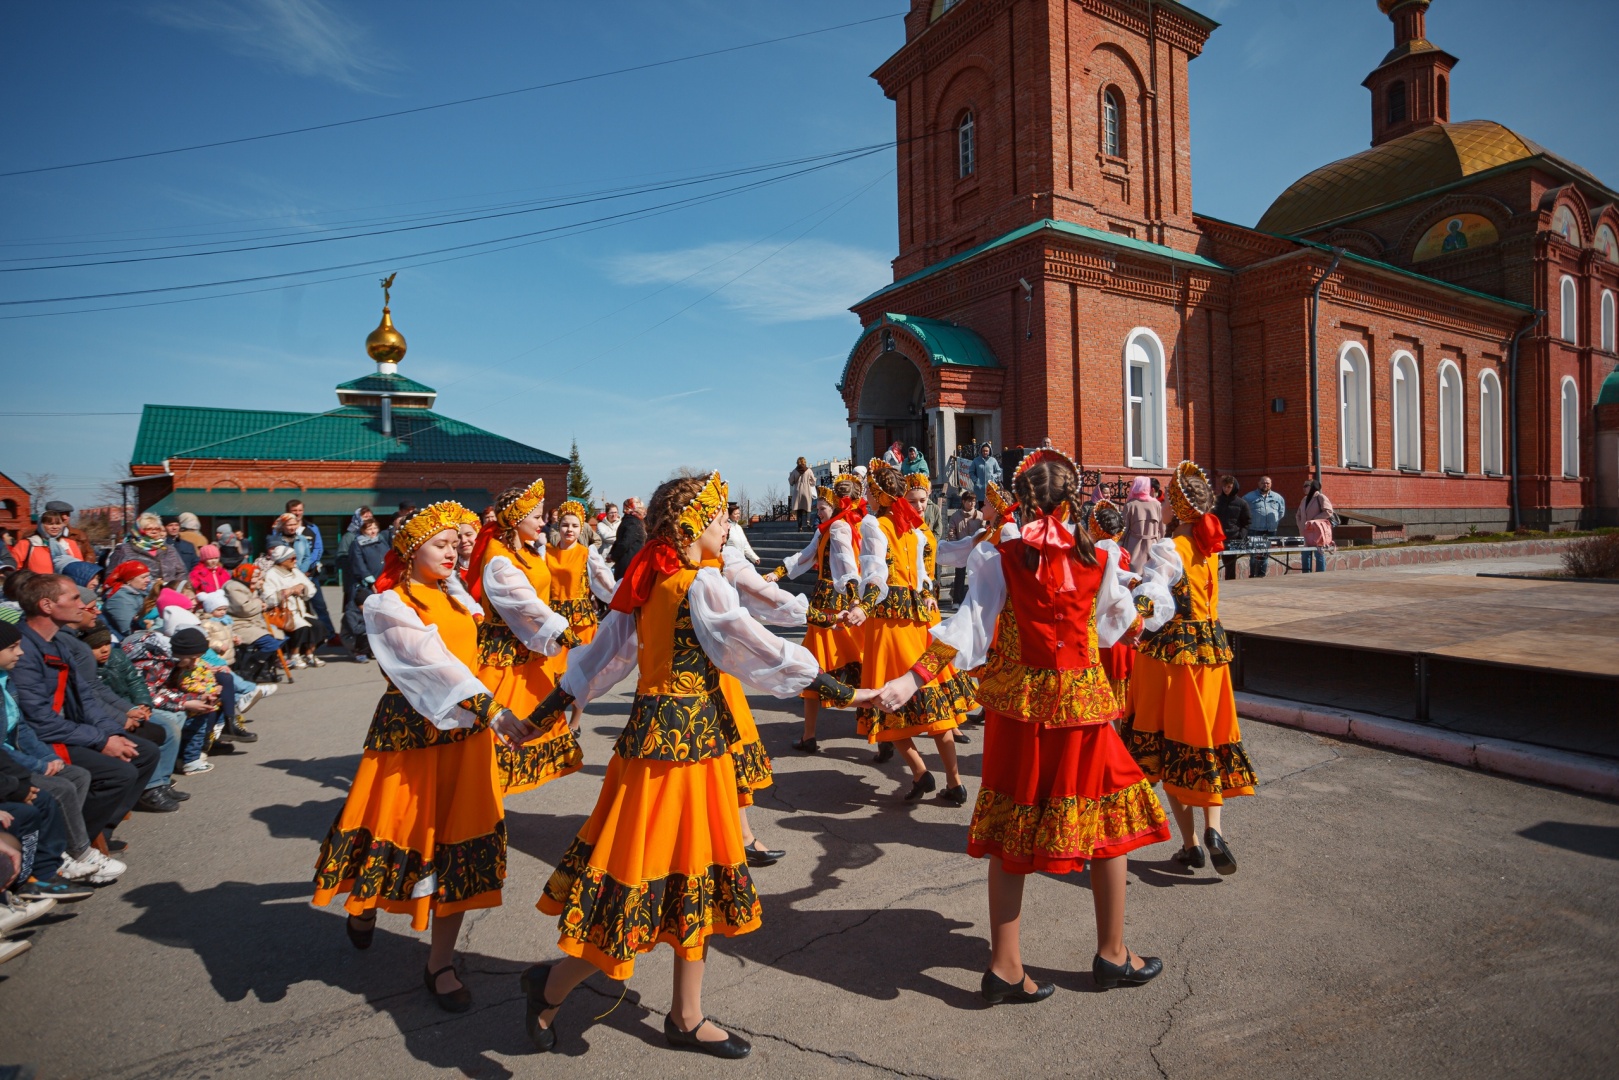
<point>350,433</point>
<point>946,342</point>
<point>378,383</point>
<point>1609,394</point>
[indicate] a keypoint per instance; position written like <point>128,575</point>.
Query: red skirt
<point>1053,798</point>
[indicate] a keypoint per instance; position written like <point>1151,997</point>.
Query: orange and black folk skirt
<point>1183,724</point>
<point>889,647</point>
<point>748,757</point>
<point>422,831</point>
<point>519,680</point>
<point>835,645</point>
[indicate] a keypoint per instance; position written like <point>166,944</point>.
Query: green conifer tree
<point>579,481</point>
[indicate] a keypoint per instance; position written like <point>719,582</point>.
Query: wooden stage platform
<point>1516,658</point>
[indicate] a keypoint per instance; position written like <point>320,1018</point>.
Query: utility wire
<point>447,104</point>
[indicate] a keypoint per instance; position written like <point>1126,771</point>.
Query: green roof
<point>1609,394</point>
<point>378,383</point>
<point>946,342</point>
<point>1063,228</point>
<point>350,433</point>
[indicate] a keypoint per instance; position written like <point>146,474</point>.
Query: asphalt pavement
<point>1391,917</point>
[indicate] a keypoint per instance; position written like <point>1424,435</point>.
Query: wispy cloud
<point>308,37</point>
<point>812,279</point>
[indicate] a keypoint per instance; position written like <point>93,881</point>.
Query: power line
<point>447,104</point>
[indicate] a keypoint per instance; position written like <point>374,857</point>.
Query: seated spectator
<point>179,681</point>
<point>365,564</point>
<point>15,912</point>
<point>122,684</point>
<point>57,692</point>
<point>217,625</point>
<point>67,784</point>
<point>187,550</point>
<point>127,586</point>
<point>191,531</point>
<point>33,817</point>
<point>248,625</point>
<point>210,574</point>
<point>286,589</point>
<point>50,547</point>
<point>87,575</point>
<point>231,549</point>
<point>149,545</point>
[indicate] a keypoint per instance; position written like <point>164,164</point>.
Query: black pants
<point>1230,562</point>
<point>317,604</point>
<point>114,785</point>
<point>803,520</point>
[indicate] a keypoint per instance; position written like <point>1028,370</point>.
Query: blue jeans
<point>43,819</point>
<point>1316,555</point>
<point>194,736</point>
<point>168,752</point>
<point>1259,562</point>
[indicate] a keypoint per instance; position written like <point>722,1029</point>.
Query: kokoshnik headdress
<point>427,523</point>
<point>574,507</point>
<point>1180,501</point>
<point>875,494</point>
<point>698,514</point>
<point>829,492</point>
<point>918,480</point>
<point>1093,521</point>
<point>522,506</point>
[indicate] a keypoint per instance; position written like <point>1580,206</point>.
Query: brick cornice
<point>932,46</point>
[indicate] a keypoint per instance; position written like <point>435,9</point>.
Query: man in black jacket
<point>631,536</point>
<point>1235,517</point>
<point>58,695</point>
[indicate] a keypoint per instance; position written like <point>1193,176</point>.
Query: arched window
<point>1354,407</point>
<point>1571,428</point>
<point>1144,399</point>
<point>1442,113</point>
<point>1396,111</point>
<point>966,149</point>
<point>1608,320</point>
<point>1407,413</point>
<point>1112,144</point>
<point>1451,457</point>
<point>1489,423</point>
<point>1569,306</point>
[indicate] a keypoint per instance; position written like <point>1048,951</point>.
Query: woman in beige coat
<point>287,588</point>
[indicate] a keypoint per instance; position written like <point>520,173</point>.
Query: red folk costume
<point>661,857</point>
<point>1058,787</point>
<point>1184,728</point>
<point>1118,660</point>
<point>422,831</point>
<point>517,640</point>
<point>834,554</point>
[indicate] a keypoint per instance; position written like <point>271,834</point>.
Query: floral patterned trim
<point>538,762</point>
<point>753,769</point>
<point>868,598</point>
<point>1190,643</point>
<point>497,645</point>
<point>1065,827</point>
<point>1211,770</point>
<point>396,725</point>
<point>678,727</point>
<point>483,706</point>
<point>832,691</point>
<point>621,920</point>
<point>580,613</point>
<point>381,869</point>
<point>902,603</point>
<point>569,640</point>
<point>827,603</point>
<point>935,659</point>
<point>1144,606</point>
<point>1053,698</point>
<point>944,700</point>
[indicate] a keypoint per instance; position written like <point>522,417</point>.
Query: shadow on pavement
<point>333,772</point>
<point>1601,841</point>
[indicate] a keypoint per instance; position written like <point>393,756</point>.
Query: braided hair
<point>409,584</point>
<point>889,482</point>
<point>1109,518</point>
<point>663,512</point>
<point>509,536</point>
<point>1046,486</point>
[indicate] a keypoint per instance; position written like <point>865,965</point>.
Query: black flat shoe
<point>533,983</point>
<point>1106,976</point>
<point>808,746</point>
<point>732,1046</point>
<point>762,856</point>
<point>1225,863</point>
<point>358,937</point>
<point>458,1000</point>
<point>954,796</point>
<point>957,735</point>
<point>885,752</point>
<point>1189,857</point>
<point>921,787</point>
<point>998,991</point>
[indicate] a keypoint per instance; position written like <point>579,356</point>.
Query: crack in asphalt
<point>843,1056</point>
<point>1337,756</point>
<point>1169,1014</point>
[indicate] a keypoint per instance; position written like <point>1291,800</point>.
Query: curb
<point>1560,768</point>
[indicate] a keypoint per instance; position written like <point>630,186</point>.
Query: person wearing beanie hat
<point>191,532</point>
<point>180,680</point>
<point>210,574</point>
<point>84,573</point>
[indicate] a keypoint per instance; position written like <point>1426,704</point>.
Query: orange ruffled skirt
<point>1184,731</point>
<point>521,688</point>
<point>659,860</point>
<point>748,757</point>
<point>421,833</point>
<point>837,650</point>
<point>889,648</point>
<point>1054,797</point>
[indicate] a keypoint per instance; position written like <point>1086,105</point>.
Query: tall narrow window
<point>1354,407</point>
<point>1489,423</point>
<point>1110,124</point>
<point>967,150</point>
<point>1569,305</point>
<point>1450,418</point>
<point>1144,399</point>
<point>1571,429</point>
<point>1407,414</point>
<point>1442,113</point>
<point>1608,320</point>
<point>1396,111</point>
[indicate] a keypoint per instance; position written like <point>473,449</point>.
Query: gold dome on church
<point>1401,168</point>
<point>385,345</point>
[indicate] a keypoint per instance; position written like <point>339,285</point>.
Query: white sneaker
<point>81,868</point>
<point>297,661</point>
<point>201,765</point>
<point>108,869</point>
<point>15,913</point>
<point>259,692</point>
<point>10,950</point>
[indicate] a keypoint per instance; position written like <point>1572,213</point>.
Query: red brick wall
<point>15,507</point>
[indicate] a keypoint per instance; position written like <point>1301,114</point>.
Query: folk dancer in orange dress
<point>422,832</point>
<point>661,858</point>
<point>834,554</point>
<point>1184,728</point>
<point>1105,523</point>
<point>579,577</point>
<point>520,634</point>
<point>1059,788</point>
<point>898,605</point>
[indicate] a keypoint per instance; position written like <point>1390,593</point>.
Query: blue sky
<point>708,336</point>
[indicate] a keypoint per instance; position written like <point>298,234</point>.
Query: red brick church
<point>1428,324</point>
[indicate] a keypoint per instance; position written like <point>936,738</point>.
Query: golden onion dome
<point>1410,165</point>
<point>385,345</point>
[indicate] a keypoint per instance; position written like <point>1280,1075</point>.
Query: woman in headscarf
<point>246,607</point>
<point>149,544</point>
<point>1143,521</point>
<point>127,584</point>
<point>287,589</point>
<point>914,463</point>
<point>230,547</point>
<point>86,575</point>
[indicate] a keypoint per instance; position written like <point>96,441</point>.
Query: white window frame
<point>1452,419</point>
<point>1405,381</point>
<point>1154,438</point>
<point>1568,309</point>
<point>1112,121</point>
<point>966,146</point>
<point>1489,424</point>
<point>1569,413</point>
<point>1353,362</point>
<point>1609,318</point>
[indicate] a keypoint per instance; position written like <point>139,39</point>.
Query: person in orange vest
<point>49,547</point>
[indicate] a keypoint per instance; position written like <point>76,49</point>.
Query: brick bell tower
<point>1411,87</point>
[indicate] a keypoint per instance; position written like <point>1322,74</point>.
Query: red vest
<point>1054,629</point>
